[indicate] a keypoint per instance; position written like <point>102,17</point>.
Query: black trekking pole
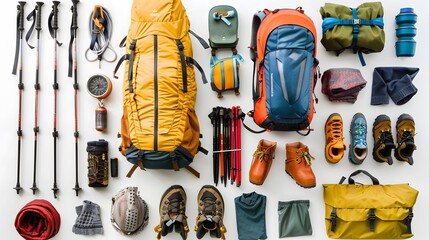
<point>73,72</point>
<point>36,16</point>
<point>53,28</point>
<point>18,54</point>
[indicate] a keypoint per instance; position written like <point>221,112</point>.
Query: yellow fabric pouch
<point>225,74</point>
<point>357,211</point>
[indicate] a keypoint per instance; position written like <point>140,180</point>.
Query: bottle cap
<point>406,10</point>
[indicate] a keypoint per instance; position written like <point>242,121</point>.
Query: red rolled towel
<point>38,219</point>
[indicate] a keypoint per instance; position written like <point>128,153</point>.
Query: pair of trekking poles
<point>226,144</point>
<point>35,16</point>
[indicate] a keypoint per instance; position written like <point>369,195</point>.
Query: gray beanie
<point>88,221</point>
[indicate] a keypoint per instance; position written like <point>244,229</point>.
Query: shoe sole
<point>378,119</point>
<point>215,189</point>
<point>359,114</point>
<point>312,186</point>
<point>326,140</point>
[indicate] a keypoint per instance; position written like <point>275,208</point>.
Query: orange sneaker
<point>334,146</point>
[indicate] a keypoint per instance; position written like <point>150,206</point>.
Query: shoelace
<point>209,207</point>
<point>336,127</point>
<point>360,134</point>
<point>386,135</point>
<point>407,135</point>
<point>306,156</point>
<point>260,154</point>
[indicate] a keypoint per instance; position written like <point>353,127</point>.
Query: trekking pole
<point>53,27</point>
<point>233,147</point>
<point>18,54</point>
<point>221,145</point>
<point>36,15</point>
<point>73,62</point>
<point>238,145</point>
<point>213,122</point>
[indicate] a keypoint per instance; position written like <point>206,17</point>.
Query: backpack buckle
<point>356,21</point>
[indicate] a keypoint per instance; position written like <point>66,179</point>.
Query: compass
<point>99,86</point>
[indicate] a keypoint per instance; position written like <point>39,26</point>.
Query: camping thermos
<point>406,31</point>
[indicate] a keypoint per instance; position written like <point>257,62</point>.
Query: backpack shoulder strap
<point>256,22</point>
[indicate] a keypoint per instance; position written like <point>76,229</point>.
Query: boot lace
<point>360,134</point>
<point>386,136</point>
<point>335,127</point>
<point>407,135</point>
<point>260,154</point>
<point>306,156</point>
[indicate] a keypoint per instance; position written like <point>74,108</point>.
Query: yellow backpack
<point>159,127</point>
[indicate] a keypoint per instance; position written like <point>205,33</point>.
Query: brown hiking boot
<point>210,213</point>
<point>298,164</point>
<point>405,131</point>
<point>383,139</point>
<point>262,160</point>
<point>334,143</point>
<point>172,212</point>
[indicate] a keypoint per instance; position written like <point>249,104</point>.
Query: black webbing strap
<point>333,219</point>
<point>203,150</point>
<point>18,36</point>
<point>130,66</point>
<point>408,220</point>
<point>195,63</point>
<point>31,16</point>
<point>200,39</point>
<point>118,65</point>
<point>371,218</point>
<point>51,28</point>
<point>72,38</point>
<point>183,65</point>
<point>242,116</point>
<point>123,42</point>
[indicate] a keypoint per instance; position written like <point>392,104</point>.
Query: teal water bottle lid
<point>406,10</point>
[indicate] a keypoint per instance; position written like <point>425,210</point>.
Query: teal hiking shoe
<point>358,146</point>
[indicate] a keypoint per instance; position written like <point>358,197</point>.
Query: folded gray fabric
<point>88,221</point>
<point>395,82</point>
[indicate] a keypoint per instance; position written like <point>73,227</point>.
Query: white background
<point>278,186</point>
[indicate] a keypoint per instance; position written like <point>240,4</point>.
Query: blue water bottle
<point>406,31</point>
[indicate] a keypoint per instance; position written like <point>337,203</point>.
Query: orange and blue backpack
<point>283,49</point>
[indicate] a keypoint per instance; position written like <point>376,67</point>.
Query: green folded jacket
<point>339,26</point>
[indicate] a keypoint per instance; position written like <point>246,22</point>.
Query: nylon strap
<point>408,220</point>
<point>130,66</point>
<point>371,219</point>
<point>200,39</point>
<point>15,62</point>
<point>195,63</point>
<point>72,38</point>
<point>51,29</point>
<point>333,219</point>
<point>248,128</point>
<point>118,65</point>
<point>193,171</point>
<point>30,16</point>
<point>183,65</point>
